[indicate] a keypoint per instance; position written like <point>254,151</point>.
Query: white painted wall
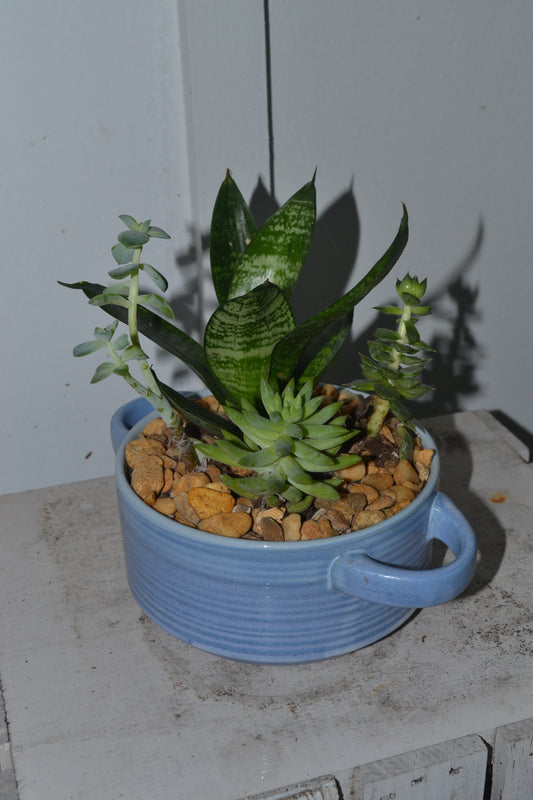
<point>111,108</point>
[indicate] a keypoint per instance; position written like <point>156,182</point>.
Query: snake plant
<point>257,362</point>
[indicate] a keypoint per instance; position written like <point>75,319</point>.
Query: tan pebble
<point>270,530</point>
<point>404,471</point>
<point>169,463</point>
<point>241,507</point>
<point>213,472</point>
<point>142,447</point>
<point>229,524</point>
<point>371,468</point>
<point>261,513</point>
<point>244,501</point>
<point>207,502</point>
<point>168,477</point>
<point>387,433</point>
<point>328,390</point>
<point>384,501</point>
<point>415,487</point>
<point>326,528</point>
<point>313,529</point>
<point>401,494</point>
<point>155,427</point>
<point>339,523</point>
<point>147,478</point>
<point>292,527</point>
<point>353,473</point>
<point>185,482</point>
<point>379,480</point>
<point>347,505</point>
<point>423,457</point>
<point>365,489</point>
<point>218,486</point>
<point>367,518</point>
<point>165,505</point>
<point>241,472</point>
<point>184,508</point>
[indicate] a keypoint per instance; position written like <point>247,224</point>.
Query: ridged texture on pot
<point>271,602</point>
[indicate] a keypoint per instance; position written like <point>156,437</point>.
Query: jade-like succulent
<point>393,368</point>
<point>258,363</point>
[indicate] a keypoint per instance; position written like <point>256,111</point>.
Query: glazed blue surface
<point>289,602</point>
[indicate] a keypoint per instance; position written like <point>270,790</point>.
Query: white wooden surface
<point>455,769</point>
<point>102,704</point>
<point>513,762</point>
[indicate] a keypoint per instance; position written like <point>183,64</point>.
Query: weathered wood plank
<point>456,768</point>
<point>323,788</point>
<point>513,762</point>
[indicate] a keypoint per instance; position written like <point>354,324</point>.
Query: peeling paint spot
<point>499,497</point>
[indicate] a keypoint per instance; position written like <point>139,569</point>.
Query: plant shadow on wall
<point>453,367</point>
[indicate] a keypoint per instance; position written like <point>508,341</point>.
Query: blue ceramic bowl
<point>288,602</point>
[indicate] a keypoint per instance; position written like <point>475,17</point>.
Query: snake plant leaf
<point>279,248</point>
<point>232,228</point>
<point>240,335</point>
<point>194,411</point>
<point>165,335</point>
<point>297,355</point>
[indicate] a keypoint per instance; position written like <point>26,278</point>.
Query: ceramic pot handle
<point>356,574</point>
<point>126,417</point>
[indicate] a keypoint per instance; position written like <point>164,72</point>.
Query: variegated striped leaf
<point>279,248</point>
<point>232,228</point>
<point>240,336</point>
<point>309,349</point>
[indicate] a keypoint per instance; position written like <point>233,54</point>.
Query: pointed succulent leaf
<point>232,228</point>
<point>156,302</point>
<point>225,452</point>
<point>122,254</point>
<point>129,222</point>
<point>240,336</point>
<point>154,274</point>
<point>279,248</point>
<point>246,487</point>
<point>156,233</point>
<point>260,458</point>
<point>133,239</point>
<point>122,342</point>
<point>103,371</point>
<point>85,348</point>
<point>294,354</point>
<point>133,353</point>
<point>106,334</point>
<point>123,271</point>
<point>110,299</point>
<point>165,335</point>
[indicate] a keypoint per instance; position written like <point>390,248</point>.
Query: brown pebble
<point>229,524</point>
<point>165,505</point>
<point>207,502</point>
<point>292,527</point>
<point>142,447</point>
<point>379,480</point>
<point>370,492</point>
<point>185,482</point>
<point>317,529</point>
<point>147,478</point>
<point>156,427</point>
<point>353,473</point>
<point>184,508</point>
<point>404,471</point>
<point>367,518</point>
<point>270,530</point>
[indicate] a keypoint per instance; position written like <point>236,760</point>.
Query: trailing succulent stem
<point>127,253</point>
<point>393,368</point>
